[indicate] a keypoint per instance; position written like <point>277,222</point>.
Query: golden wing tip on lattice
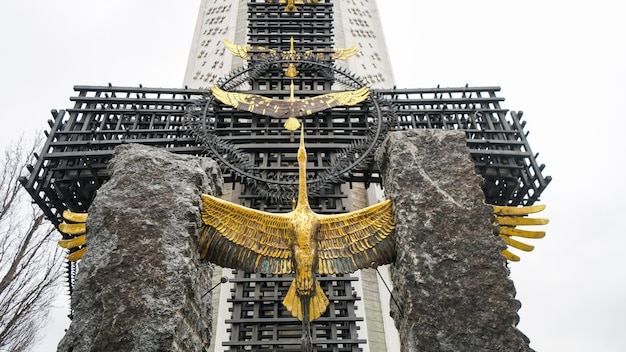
<point>345,98</point>
<point>75,227</point>
<point>508,218</point>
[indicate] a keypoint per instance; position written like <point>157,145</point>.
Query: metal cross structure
<point>258,155</point>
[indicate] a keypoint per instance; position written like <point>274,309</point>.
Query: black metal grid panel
<point>498,144</point>
<point>271,27</point>
<point>273,149</point>
<point>72,163</point>
<point>261,323</point>
<point>311,29</point>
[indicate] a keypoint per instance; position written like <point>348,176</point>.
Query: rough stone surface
<point>139,286</point>
<point>449,276</point>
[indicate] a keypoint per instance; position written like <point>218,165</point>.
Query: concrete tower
<point>354,23</point>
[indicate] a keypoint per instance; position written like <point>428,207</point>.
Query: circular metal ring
<point>238,161</point>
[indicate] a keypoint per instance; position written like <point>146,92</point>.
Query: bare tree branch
<point>30,260</point>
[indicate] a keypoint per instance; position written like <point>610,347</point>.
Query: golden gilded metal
<point>74,242</point>
<point>243,51</point>
<point>292,107</point>
<point>291,4</point>
<point>291,71</point>
<point>76,256</point>
<point>300,241</point>
<point>238,50</point>
<point>77,229</point>
<point>344,53</point>
<point>507,218</point>
<point>75,217</point>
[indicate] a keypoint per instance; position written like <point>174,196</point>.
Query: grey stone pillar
<point>449,277</point>
<point>139,285</point>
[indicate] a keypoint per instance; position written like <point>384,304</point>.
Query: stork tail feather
<point>292,124</point>
<point>317,303</point>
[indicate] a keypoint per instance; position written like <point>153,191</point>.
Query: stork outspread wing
<point>246,239</point>
<point>292,107</point>
<point>356,240</point>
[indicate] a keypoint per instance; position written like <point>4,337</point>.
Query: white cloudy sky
<point>561,62</point>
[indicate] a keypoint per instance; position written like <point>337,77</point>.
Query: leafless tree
<point>30,261</point>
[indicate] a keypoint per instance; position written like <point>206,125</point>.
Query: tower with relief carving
<point>353,23</point>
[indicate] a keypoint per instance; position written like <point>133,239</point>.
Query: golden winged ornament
<point>300,242</point>
<point>291,4</point>
<point>238,50</point>
<point>292,107</point>
<point>243,51</point>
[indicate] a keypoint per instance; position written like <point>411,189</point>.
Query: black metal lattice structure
<point>72,164</point>
<point>259,321</point>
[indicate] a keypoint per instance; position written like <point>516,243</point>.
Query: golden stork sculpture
<point>300,242</point>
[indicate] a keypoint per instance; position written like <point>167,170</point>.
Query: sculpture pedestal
<point>449,276</point>
<point>139,285</point>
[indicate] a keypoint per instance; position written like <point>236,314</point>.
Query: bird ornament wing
<point>254,103</point>
<point>509,218</point>
<point>344,53</point>
<point>244,51</point>
<point>330,100</point>
<point>292,107</point>
<point>238,50</point>
<point>356,240</point>
<point>246,239</point>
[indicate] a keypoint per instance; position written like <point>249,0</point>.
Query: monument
<point>283,56</point>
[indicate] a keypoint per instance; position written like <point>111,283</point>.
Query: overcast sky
<point>561,62</point>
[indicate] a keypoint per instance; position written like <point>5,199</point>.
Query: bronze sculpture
<point>300,241</point>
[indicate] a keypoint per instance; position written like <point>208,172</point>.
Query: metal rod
<point>223,280</point>
<point>390,293</point>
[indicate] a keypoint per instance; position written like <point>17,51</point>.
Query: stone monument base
<point>449,277</point>
<point>139,286</point>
